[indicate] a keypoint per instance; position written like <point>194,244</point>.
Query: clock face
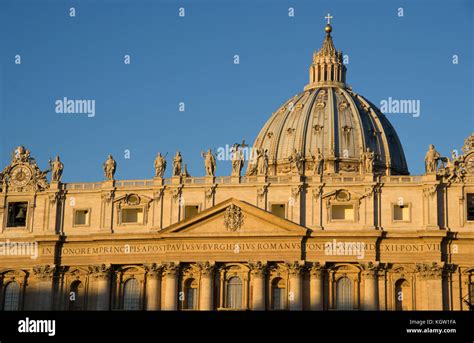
<point>20,176</point>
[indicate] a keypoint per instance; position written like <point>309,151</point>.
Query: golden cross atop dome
<point>329,17</point>
<point>328,27</point>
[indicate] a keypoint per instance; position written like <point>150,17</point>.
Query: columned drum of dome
<point>328,117</point>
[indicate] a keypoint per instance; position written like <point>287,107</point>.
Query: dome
<point>329,120</point>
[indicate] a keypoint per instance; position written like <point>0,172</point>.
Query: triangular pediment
<point>232,218</point>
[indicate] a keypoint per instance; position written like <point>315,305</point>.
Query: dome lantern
<point>327,68</point>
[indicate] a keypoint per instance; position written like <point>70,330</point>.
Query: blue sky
<point>190,60</point>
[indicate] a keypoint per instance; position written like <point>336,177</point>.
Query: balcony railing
<point>133,183</point>
<point>243,180</point>
<point>83,186</point>
<point>402,179</point>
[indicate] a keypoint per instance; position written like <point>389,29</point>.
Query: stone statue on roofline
<point>109,168</point>
<point>431,160</point>
<point>262,162</point>
<point>160,165</point>
<point>56,169</point>
<point>209,162</point>
<point>177,164</point>
<point>237,160</point>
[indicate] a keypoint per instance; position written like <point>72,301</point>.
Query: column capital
<point>43,272</point>
<point>317,190</point>
<point>207,268</point>
<point>316,270</point>
<point>108,196</point>
<point>370,270</point>
<point>429,271</point>
<point>170,269</point>
<point>153,270</point>
<point>159,193</point>
<point>370,275</point>
<point>450,268</point>
<point>258,269</point>
<point>430,190</point>
<point>294,268</point>
<point>100,271</point>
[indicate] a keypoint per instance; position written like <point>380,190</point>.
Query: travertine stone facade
<point>347,229</point>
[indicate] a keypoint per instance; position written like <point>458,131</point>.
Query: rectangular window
<point>132,216</point>
<point>17,212</point>
<point>191,298</point>
<point>401,213</point>
<point>470,206</point>
<point>279,210</point>
<point>190,211</point>
<point>342,212</point>
<point>81,217</point>
<point>278,298</point>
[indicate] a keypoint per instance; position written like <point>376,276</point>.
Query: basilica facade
<point>325,217</point>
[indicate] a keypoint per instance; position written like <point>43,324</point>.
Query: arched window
<point>234,293</point>
<point>344,294</point>
<point>11,297</point>
<point>402,295</point>
<point>131,295</point>
<point>191,294</point>
<point>278,294</point>
<point>75,296</point>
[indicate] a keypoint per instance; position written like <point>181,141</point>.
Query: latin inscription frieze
<point>204,247</point>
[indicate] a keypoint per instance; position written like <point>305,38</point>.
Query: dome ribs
<point>330,117</point>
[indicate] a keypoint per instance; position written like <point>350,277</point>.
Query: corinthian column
<point>170,273</point>
<point>296,287</point>
<point>371,294</point>
<point>153,286</point>
<point>431,277</point>
<point>316,287</point>
<point>101,273</point>
<point>206,292</point>
<point>44,274</point>
<point>258,272</point>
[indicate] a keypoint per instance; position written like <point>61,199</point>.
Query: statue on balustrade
<point>262,162</point>
<point>56,169</point>
<point>431,160</point>
<point>177,164</point>
<point>160,165</point>
<point>209,162</point>
<point>255,156</point>
<point>109,168</point>
<point>237,160</point>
